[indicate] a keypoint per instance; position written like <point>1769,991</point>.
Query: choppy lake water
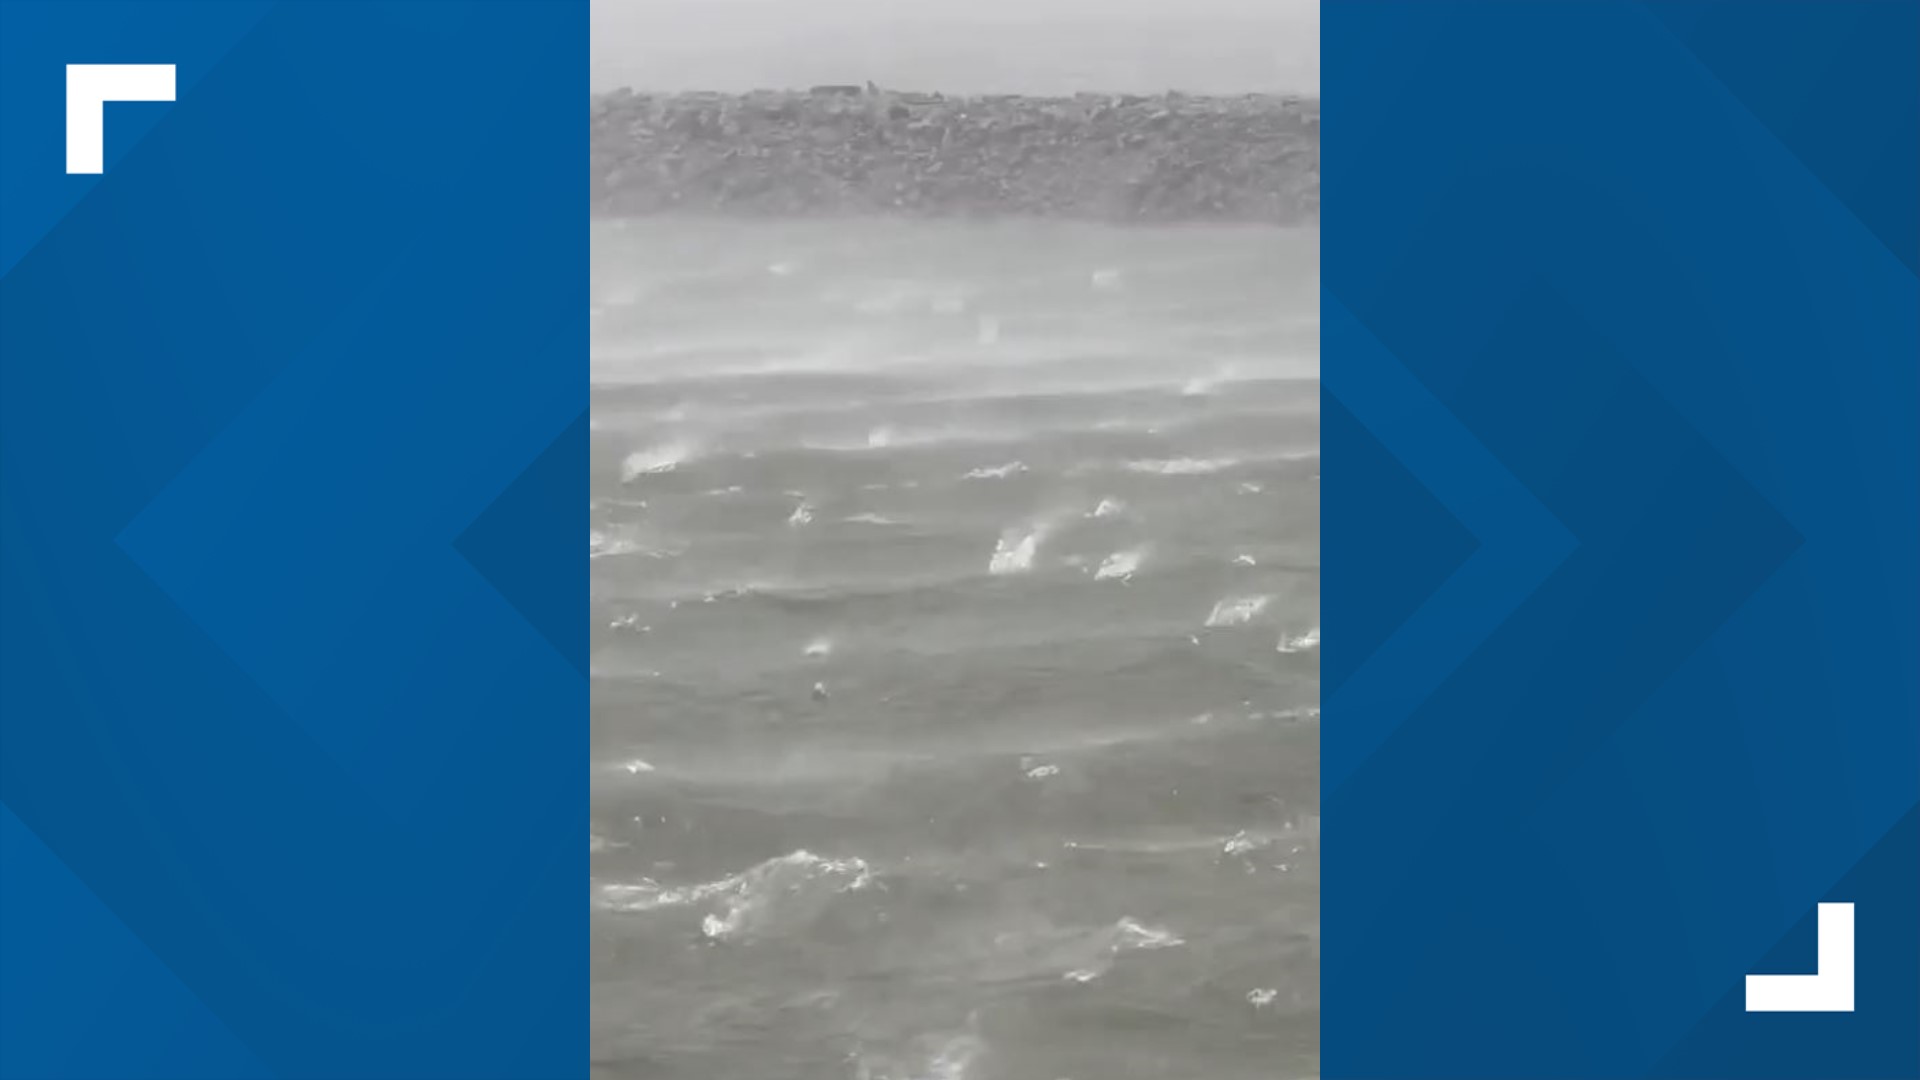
<point>956,652</point>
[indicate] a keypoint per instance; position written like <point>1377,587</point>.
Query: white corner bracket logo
<point>89,88</point>
<point>1829,988</point>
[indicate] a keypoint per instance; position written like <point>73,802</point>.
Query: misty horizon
<point>1039,47</point>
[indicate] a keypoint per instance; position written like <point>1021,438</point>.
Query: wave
<point>1120,564</point>
<point>1124,936</point>
<point>997,472</point>
<point>934,1057</point>
<point>610,543</point>
<point>1015,551</point>
<point>1237,611</point>
<point>1181,466</point>
<point>779,892</point>
<point>659,459</point>
<point>1300,643</point>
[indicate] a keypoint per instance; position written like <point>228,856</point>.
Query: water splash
<point>1015,551</point>
<point>658,459</point>
<point>1301,642</point>
<point>996,472</point>
<point>1120,564</point>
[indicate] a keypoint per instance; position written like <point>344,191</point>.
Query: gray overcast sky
<point>960,46</point>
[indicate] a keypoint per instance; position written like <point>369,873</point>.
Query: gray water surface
<point>956,669</point>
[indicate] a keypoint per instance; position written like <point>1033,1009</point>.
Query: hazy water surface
<point>956,652</point>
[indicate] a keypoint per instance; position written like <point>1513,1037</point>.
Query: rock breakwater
<point>1166,158</point>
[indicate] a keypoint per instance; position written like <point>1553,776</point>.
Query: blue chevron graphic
<point>100,1003</point>
<point>1670,324</point>
<point>1520,543</point>
<point>508,540</point>
<point>1842,56</point>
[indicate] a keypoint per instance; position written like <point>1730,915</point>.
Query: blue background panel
<point>1622,533</point>
<point>292,627</point>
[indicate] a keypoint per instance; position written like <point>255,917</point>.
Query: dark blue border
<point>292,453</point>
<point>1622,534</point>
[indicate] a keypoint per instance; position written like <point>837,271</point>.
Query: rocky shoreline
<point>1161,159</point>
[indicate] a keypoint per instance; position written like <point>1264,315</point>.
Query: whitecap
<point>1108,508</point>
<point>1301,642</point>
<point>613,542</point>
<point>818,647</point>
<point>1237,612</point>
<point>871,519</point>
<point>1260,999</point>
<point>1242,842</point>
<point>1129,934</point>
<point>1120,564</point>
<point>996,472</point>
<point>801,515</point>
<point>1181,466</point>
<point>779,890</point>
<point>1015,551</point>
<point>1244,560</point>
<point>600,545</point>
<point>657,459</point>
<point>939,1057</point>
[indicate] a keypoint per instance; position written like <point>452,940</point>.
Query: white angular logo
<point>1829,988</point>
<point>89,88</point>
